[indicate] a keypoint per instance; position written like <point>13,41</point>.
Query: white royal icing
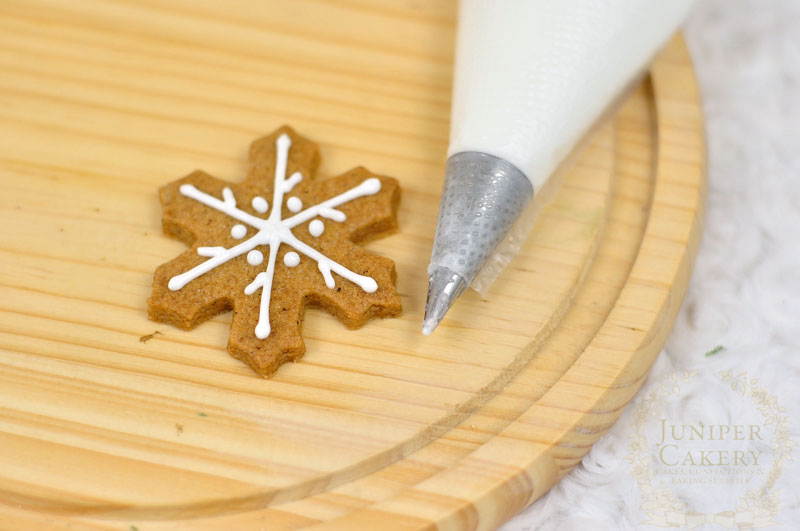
<point>238,231</point>
<point>273,232</point>
<point>316,228</point>
<point>291,259</point>
<point>260,204</point>
<point>255,257</point>
<point>294,204</point>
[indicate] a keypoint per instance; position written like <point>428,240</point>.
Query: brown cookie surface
<point>268,265</point>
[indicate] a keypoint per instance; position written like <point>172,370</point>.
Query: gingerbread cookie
<point>274,244</point>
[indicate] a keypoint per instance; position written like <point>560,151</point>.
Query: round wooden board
<point>374,428</point>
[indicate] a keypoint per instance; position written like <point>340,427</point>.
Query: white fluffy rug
<point>744,296</point>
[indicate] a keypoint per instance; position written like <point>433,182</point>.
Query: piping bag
<point>531,78</point>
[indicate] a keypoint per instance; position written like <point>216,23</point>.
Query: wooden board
<point>102,102</point>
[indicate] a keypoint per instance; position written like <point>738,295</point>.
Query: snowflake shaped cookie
<point>273,245</point>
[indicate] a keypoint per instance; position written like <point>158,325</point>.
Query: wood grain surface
<point>110,421</point>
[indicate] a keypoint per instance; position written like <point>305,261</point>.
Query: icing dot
<point>316,228</point>
<point>291,259</point>
<point>294,204</point>
<point>255,257</point>
<point>238,231</point>
<point>260,204</point>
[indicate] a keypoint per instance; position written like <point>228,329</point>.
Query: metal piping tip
<point>444,287</point>
<point>482,196</point>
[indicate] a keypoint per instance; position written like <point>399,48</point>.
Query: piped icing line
<point>179,281</point>
<point>282,186</point>
<point>368,284</point>
<point>264,281</point>
<point>326,209</point>
<point>290,183</point>
<point>227,197</point>
<point>273,232</point>
<point>332,213</point>
<point>326,274</point>
<point>210,252</point>
<point>191,191</point>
